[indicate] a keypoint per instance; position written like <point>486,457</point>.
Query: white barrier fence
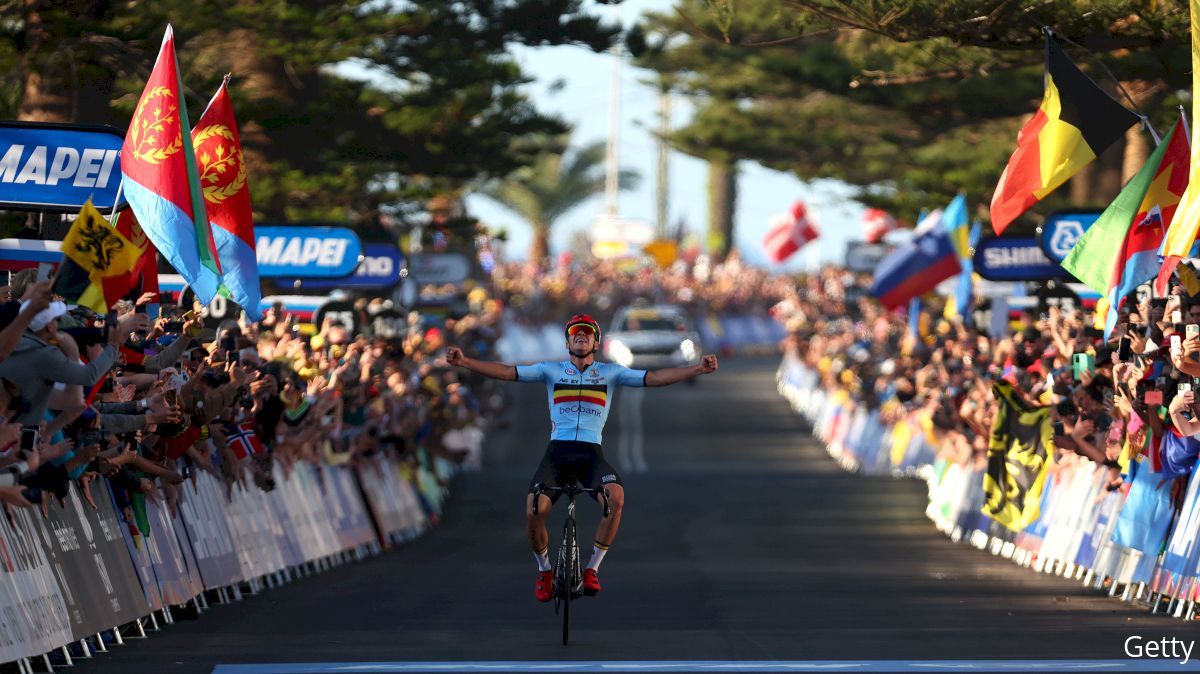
<point>75,577</point>
<point>1128,542</point>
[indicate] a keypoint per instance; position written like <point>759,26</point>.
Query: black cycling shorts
<point>569,461</point>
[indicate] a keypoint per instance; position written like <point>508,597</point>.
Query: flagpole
<point>112,217</point>
<point>1187,133</point>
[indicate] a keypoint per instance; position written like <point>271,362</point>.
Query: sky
<point>583,101</point>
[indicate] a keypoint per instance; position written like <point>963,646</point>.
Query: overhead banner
<point>19,254</point>
<point>309,252</point>
<point>58,167</point>
<point>863,258</point>
<point>379,270</point>
<point>438,268</point>
<point>1061,230</point>
<point>1015,259</point>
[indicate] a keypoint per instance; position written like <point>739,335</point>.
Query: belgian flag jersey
<point>579,400</point>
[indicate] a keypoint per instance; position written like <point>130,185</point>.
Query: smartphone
<point>1125,349</point>
<point>171,397</point>
<point>44,271</point>
<point>1176,316</point>
<point>110,323</point>
<point>235,358</point>
<point>1081,362</point>
<point>229,343</point>
<point>1058,428</point>
<point>1191,330</point>
<point>32,494</point>
<point>173,326</point>
<point>1184,387</point>
<point>29,439</point>
<point>1153,397</point>
<point>1176,344</point>
<point>90,436</point>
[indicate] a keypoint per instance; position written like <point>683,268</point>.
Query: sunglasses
<point>581,327</point>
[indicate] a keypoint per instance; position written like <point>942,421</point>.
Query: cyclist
<point>580,392</point>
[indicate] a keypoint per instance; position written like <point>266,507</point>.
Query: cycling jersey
<point>579,401</point>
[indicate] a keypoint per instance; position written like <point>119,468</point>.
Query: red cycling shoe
<point>544,588</point>
<point>591,582</point>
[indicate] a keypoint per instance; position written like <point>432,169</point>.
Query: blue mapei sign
<point>307,252</point>
<point>379,270</point>
<point>1015,259</point>
<point>58,167</point>
<point>1061,230</point>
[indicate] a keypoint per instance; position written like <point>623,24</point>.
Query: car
<point>652,337</point>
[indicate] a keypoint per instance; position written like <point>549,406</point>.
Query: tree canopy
<point>910,101</point>
<point>348,109</point>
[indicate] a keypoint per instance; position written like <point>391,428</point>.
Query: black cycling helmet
<point>582,319</point>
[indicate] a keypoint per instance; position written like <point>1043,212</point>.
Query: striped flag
<point>1182,233</point>
<point>1075,123</point>
<point>789,233</point>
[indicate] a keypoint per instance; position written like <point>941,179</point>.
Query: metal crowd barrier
<point>81,580</point>
<point>1128,543</point>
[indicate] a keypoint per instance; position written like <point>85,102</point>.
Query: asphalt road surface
<point>741,541</point>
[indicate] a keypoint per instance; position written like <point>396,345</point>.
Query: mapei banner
<point>1061,230</point>
<point>58,167</point>
<point>307,252</point>
<point>379,270</point>
<point>1015,259</point>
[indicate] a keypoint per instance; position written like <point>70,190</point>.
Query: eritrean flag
<point>1120,251</point>
<point>161,181</point>
<point>227,200</point>
<point>1075,123</point>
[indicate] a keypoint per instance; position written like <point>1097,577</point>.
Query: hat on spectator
<point>46,315</point>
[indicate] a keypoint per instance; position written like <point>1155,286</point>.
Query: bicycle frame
<point>568,577</point>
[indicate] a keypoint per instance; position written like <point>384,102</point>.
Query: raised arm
<point>503,371</point>
<point>673,375</point>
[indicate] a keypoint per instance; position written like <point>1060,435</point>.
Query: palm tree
<point>556,182</point>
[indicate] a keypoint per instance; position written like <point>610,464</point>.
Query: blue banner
<point>379,270</point>
<point>1015,259</point>
<point>309,252</point>
<point>1061,230</point>
<point>58,167</point>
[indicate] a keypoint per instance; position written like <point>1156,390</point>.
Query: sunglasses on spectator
<point>582,327</point>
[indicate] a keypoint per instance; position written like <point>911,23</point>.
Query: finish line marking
<point>1130,665</point>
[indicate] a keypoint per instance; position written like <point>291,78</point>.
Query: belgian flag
<point>1075,123</point>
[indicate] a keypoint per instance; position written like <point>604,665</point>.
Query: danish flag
<point>789,233</point>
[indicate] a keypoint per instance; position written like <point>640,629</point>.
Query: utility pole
<point>663,196</point>
<point>612,185</point>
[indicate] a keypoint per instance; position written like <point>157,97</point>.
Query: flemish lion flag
<point>1075,123</point>
<point>97,262</point>
<point>1019,455</point>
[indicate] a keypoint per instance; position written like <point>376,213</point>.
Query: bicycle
<point>568,588</point>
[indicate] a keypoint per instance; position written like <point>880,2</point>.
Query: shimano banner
<point>1015,259</point>
<point>289,252</point>
<point>58,167</point>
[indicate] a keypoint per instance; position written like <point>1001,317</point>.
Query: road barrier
<point>1155,565</point>
<point>80,578</point>
<point>727,334</point>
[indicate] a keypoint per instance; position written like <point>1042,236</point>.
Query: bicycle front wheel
<point>570,555</point>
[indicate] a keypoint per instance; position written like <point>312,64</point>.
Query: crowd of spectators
<point>540,296</point>
<point>1110,399</point>
<point>144,404</point>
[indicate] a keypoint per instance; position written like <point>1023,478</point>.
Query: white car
<point>652,337</point>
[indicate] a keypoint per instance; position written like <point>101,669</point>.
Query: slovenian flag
<point>227,199</point>
<point>1120,251</point>
<point>161,181</point>
<point>916,267</point>
<point>1075,123</point>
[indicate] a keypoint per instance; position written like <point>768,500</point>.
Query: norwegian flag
<point>243,440</point>
<point>789,232</point>
<point>876,223</point>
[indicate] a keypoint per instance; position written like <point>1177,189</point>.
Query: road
<point>741,541</point>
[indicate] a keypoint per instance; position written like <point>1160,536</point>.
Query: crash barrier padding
<point>1155,565</point>
<point>718,333</point>
<point>81,571</point>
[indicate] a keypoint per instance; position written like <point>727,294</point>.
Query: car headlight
<point>620,353</point>
<point>688,349</point>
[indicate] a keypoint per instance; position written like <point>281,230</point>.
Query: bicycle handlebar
<point>572,490</point>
